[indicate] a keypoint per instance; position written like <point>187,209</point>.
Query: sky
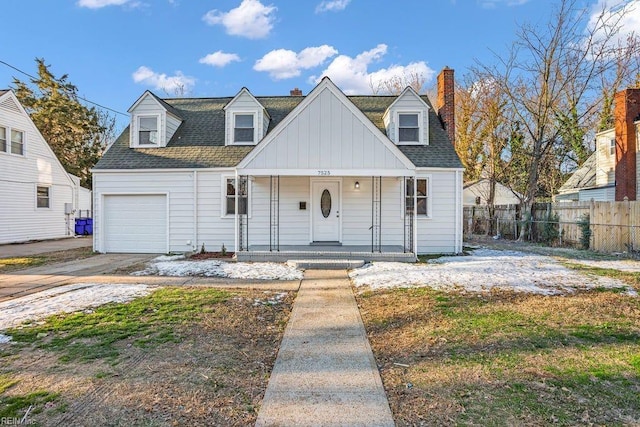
<point>114,50</point>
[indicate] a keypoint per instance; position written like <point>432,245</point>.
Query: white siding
<point>407,102</point>
<point>244,102</point>
<point>178,186</point>
<point>605,161</point>
<point>20,219</point>
<point>213,230</point>
<point>438,233</point>
<point>342,142</point>
<point>149,106</point>
<point>503,195</point>
<point>605,194</point>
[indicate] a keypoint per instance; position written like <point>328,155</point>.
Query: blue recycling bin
<point>88,227</point>
<point>80,225</point>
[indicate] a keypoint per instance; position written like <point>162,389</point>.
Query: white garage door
<point>135,223</point>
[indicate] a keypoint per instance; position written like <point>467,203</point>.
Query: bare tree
<point>552,78</point>
<point>396,84</point>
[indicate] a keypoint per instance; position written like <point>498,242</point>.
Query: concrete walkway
<point>325,373</point>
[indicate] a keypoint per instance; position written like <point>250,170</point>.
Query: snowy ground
<point>64,299</point>
<point>178,266</point>
<point>484,270</point>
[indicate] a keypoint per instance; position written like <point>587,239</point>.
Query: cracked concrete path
<point>325,373</point>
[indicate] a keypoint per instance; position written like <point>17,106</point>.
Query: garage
<point>135,223</point>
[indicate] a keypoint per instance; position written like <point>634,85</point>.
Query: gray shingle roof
<point>584,177</point>
<point>199,141</point>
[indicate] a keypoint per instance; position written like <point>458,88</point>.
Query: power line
<point>79,97</point>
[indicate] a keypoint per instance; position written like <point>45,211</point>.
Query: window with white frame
<point>17,142</point>
<point>612,147</point>
<point>408,127</point>
<point>243,128</point>
<point>148,130</point>
<point>43,197</point>
<point>231,193</point>
<point>417,189</point>
<point>3,139</point>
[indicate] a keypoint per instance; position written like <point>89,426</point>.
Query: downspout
<point>195,211</point>
<point>458,199</point>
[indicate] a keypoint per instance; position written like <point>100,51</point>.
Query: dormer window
<point>408,128</point>
<point>243,130</point>
<point>148,130</point>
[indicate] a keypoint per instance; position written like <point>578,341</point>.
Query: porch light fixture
<point>356,185</point>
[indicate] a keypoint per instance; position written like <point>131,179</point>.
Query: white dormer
<point>246,120</point>
<point>407,119</point>
<point>153,122</point>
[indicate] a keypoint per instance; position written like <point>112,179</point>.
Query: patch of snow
<point>273,300</point>
<point>621,265</point>
<point>66,299</point>
<point>4,338</point>
<point>483,270</point>
<point>168,258</point>
<point>217,268</point>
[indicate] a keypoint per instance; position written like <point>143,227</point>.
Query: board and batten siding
<point>438,233</point>
<point>343,141</point>
<point>178,186</point>
<point>20,218</point>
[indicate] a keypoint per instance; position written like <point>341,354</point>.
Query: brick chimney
<point>626,111</point>
<point>295,92</point>
<point>446,103</point>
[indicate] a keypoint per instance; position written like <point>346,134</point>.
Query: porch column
<point>242,211</point>
<point>376,214</point>
<point>274,214</point>
<point>410,200</point>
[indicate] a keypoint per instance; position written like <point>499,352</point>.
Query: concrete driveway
<point>91,270</point>
<point>44,246</point>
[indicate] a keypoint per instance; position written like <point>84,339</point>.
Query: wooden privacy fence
<point>613,226</point>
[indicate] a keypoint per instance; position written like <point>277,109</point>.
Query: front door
<point>325,205</point>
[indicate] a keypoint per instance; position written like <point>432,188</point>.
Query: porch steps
<point>326,264</point>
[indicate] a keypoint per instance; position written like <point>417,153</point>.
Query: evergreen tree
<point>77,134</point>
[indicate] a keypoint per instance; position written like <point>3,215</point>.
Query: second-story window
<point>148,130</point>
<point>243,128</point>
<point>408,128</point>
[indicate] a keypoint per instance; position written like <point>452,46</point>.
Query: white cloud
<point>160,81</point>
<point>630,21</point>
<point>251,19</point>
<point>98,4</point>
<point>352,75</point>
<point>285,64</point>
<point>332,5</point>
<point>492,4</point>
<point>219,59</point>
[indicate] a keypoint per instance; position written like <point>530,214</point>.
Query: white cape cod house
<point>38,198</point>
<point>372,177</point>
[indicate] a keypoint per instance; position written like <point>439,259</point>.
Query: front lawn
<point>7,265</point>
<point>178,356</point>
<point>505,358</point>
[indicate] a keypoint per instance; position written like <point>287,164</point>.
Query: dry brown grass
<point>506,359</point>
<point>8,265</point>
<point>216,373</point>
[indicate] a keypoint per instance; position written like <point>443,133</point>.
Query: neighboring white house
<point>476,193</point>
<point>326,174</point>
<point>37,196</point>
<point>612,172</point>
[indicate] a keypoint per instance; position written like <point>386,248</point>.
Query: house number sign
<point>324,173</point>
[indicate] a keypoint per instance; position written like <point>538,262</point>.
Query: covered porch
<point>327,217</point>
